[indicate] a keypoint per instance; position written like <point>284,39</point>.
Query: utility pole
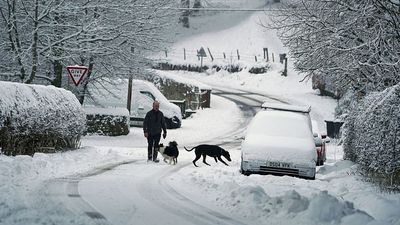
<point>128,104</point>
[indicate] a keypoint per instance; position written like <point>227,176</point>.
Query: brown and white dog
<point>170,152</point>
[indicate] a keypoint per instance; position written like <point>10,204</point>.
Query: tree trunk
<point>57,67</point>
<point>13,35</point>
<point>184,18</point>
<point>196,4</point>
<point>34,44</point>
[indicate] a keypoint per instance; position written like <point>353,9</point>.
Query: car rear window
<point>285,124</point>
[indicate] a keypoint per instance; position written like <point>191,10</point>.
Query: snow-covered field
<point>337,196</point>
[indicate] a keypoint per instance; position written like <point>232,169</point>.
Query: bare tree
<point>40,38</point>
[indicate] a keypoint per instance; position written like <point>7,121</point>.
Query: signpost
<point>77,73</point>
<point>201,53</point>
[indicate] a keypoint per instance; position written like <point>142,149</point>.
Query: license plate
<point>279,164</point>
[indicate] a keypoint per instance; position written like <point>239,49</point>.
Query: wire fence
<point>207,55</point>
<point>188,54</point>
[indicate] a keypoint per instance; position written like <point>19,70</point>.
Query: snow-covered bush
<point>231,67</point>
<point>373,136</point>
<point>36,118</point>
<point>107,121</point>
<point>261,67</point>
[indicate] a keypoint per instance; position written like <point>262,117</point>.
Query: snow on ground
<point>205,124</point>
<point>22,176</point>
<point>250,38</point>
<point>337,196</point>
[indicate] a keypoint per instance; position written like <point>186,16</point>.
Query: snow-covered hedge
<point>255,68</point>
<point>36,118</point>
<point>373,136</point>
<point>107,121</point>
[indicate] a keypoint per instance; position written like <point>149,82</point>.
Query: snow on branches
<point>349,43</point>
<point>38,118</point>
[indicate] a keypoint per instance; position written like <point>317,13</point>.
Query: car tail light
<point>318,151</point>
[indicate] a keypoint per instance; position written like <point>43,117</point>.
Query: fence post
<point>255,57</point>
<point>166,54</point>
<point>238,54</point>
<point>285,70</point>
<point>184,54</point>
<point>273,58</point>
<point>266,56</point>
<point>224,55</point>
<point>209,52</point>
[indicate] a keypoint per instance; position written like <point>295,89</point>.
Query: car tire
<point>246,173</point>
<point>172,123</point>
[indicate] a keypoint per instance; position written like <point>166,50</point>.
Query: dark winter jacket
<point>154,122</point>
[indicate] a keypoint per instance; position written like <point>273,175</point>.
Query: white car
<point>143,95</point>
<point>280,142</point>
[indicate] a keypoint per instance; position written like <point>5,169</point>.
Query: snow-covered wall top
<point>37,109</point>
<point>113,111</point>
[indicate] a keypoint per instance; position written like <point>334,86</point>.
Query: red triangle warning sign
<point>77,73</point>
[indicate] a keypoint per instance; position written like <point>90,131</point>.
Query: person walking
<point>153,123</point>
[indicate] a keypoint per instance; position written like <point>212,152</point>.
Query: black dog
<point>170,152</point>
<point>210,150</point>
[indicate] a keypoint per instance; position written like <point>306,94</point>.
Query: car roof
<point>269,114</point>
<point>285,107</point>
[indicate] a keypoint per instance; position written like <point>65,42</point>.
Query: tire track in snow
<point>183,207</point>
<point>66,189</point>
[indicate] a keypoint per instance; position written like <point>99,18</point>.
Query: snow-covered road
<point>144,193</point>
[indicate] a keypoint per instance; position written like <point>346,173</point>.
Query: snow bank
<point>38,116</point>
<point>24,194</point>
<point>280,200</point>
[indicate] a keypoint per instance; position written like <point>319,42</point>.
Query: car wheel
<point>246,173</point>
<point>172,123</point>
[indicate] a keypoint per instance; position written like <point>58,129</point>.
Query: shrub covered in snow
<point>36,118</point>
<point>373,136</point>
<point>107,121</point>
<point>255,68</point>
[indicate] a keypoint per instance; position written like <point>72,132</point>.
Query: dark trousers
<point>153,141</point>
